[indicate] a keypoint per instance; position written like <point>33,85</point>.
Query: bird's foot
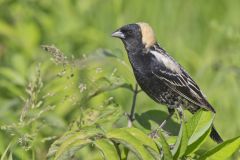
<point>154,133</point>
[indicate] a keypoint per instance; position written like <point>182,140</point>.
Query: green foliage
<point>107,148</point>
<point>85,91</point>
<point>223,151</point>
<point>162,144</point>
<point>141,145</point>
<point>198,127</point>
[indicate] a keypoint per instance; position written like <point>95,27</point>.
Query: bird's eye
<point>129,31</point>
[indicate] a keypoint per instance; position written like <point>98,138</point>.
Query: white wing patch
<point>166,61</point>
<point>172,82</point>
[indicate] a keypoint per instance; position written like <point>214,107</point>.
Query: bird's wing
<point>174,76</point>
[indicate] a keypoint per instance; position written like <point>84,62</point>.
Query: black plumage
<point>159,75</point>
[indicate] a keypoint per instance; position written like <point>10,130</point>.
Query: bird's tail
<point>215,135</point>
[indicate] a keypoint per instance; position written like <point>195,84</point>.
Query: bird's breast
<point>141,63</point>
<point>154,87</point>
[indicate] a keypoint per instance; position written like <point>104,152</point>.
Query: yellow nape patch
<point>148,36</point>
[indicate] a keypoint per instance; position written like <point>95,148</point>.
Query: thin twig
<point>131,117</point>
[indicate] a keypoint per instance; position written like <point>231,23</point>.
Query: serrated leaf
<point>182,142</point>
<point>107,148</point>
<point>223,150</point>
<point>135,140</point>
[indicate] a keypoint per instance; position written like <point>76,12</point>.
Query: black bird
<point>159,75</point>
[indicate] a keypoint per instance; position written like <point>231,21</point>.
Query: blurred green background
<point>204,36</point>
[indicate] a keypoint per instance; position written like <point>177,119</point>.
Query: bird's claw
<point>154,133</point>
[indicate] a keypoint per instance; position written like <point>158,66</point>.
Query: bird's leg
<point>180,114</point>
<point>131,117</point>
<point>171,112</point>
<point>154,133</point>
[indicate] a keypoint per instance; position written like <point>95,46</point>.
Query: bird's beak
<point>118,34</point>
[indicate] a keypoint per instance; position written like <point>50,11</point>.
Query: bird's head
<point>136,36</point>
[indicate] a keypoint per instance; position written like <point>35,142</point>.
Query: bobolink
<point>159,75</point>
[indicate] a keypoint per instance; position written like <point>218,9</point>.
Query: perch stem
<point>131,117</point>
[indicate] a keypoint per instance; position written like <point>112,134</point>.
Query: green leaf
<point>150,119</point>
<point>107,148</point>
<point>198,125</point>
<point>142,137</point>
<point>4,155</point>
<point>167,154</point>
<point>153,152</point>
<point>223,150</point>
<point>69,148</point>
<point>135,140</point>
<point>182,142</point>
<point>104,115</point>
<point>12,75</point>
<point>171,140</point>
<point>10,156</point>
<point>72,141</point>
<point>195,145</point>
<point>55,146</point>
<point>198,128</point>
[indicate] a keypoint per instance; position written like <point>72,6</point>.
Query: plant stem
<point>131,117</point>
